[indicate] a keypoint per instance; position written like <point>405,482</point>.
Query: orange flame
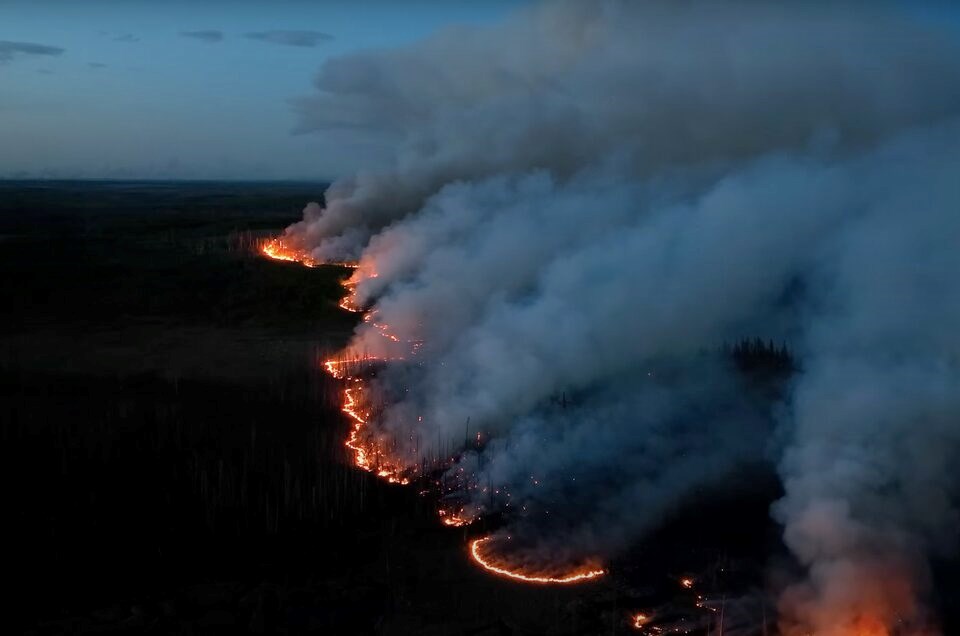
<point>497,566</point>
<point>366,454</point>
<point>638,620</point>
<point>275,249</point>
<point>454,519</point>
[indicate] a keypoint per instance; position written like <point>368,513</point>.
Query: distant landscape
<point>173,453</point>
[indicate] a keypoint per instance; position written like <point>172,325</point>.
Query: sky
<point>144,89</point>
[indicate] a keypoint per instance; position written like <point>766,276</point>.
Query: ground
<point>173,458</point>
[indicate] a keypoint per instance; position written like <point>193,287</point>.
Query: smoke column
<point>579,200</point>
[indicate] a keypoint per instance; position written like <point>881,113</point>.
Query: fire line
<point>577,576</point>
<point>367,456</point>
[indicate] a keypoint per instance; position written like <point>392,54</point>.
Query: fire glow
<point>639,620</point>
<point>275,249</point>
<point>369,457</point>
<point>454,519</point>
<point>497,566</point>
<point>365,457</point>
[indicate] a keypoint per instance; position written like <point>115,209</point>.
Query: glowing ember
<point>454,519</point>
<point>686,582</point>
<point>638,620</point>
<point>499,567</point>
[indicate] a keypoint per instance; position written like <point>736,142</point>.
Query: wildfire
<point>367,455</point>
<point>638,620</point>
<point>499,567</point>
<point>869,626</point>
<point>454,519</point>
<point>275,249</point>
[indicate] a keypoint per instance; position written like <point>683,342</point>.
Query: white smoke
<point>877,412</point>
<point>661,85</point>
<point>581,199</point>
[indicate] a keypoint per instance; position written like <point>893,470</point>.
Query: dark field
<point>173,458</point>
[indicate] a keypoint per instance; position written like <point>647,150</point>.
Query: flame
<point>638,620</point>
<point>497,566</point>
<point>367,455</point>
<point>686,582</point>
<point>278,251</point>
<point>456,519</point>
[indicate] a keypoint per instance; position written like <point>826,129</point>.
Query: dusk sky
<point>355,316</point>
<point>196,90</point>
<point>142,89</point>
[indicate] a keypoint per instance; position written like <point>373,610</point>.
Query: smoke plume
<point>570,207</point>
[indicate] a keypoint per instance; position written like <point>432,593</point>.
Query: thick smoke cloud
<point>659,85</point>
<point>877,413</point>
<point>580,200</point>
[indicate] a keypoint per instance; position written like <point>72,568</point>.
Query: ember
<point>639,620</point>
<point>455,519</point>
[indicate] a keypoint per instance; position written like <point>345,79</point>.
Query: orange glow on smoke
<point>869,626</point>
<point>500,567</point>
<point>861,625</point>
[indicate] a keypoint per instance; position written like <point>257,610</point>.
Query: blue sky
<point>130,96</point>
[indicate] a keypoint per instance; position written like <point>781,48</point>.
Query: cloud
<point>126,37</point>
<point>210,36</point>
<point>9,50</point>
<point>307,39</point>
<point>96,65</point>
